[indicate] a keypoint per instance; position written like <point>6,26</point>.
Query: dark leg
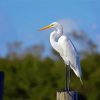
<point>67,77</point>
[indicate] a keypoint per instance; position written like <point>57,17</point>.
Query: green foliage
<point>34,79</point>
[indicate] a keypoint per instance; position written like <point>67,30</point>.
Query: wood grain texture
<point>64,95</point>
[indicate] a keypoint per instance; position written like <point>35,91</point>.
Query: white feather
<point>66,49</point>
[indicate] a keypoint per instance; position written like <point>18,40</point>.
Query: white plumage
<point>64,46</point>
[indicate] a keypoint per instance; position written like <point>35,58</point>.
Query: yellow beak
<point>44,28</point>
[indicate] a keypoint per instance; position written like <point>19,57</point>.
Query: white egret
<point>64,46</point>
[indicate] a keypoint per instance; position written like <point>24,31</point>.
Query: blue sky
<point>20,19</point>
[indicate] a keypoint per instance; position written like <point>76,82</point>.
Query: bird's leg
<point>68,77</point>
<point>65,77</point>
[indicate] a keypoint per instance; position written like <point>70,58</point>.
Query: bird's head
<point>52,25</point>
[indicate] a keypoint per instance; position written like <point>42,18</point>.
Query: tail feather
<point>81,81</point>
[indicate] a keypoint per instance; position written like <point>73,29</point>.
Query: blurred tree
<point>86,43</point>
<point>35,50</point>
<point>34,78</point>
<point>14,49</point>
<point>29,78</point>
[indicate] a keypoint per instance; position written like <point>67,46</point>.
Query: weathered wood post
<point>65,95</point>
<point>1,85</point>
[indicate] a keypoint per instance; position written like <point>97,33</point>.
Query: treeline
<point>36,78</point>
<point>30,76</point>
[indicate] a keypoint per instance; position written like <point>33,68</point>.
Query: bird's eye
<point>52,24</point>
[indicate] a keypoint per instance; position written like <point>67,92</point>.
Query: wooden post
<point>1,85</point>
<point>65,95</point>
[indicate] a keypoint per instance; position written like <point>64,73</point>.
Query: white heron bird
<point>64,46</point>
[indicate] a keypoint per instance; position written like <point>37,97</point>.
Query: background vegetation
<point>30,76</point>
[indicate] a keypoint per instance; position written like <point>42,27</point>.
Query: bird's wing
<point>58,48</point>
<point>76,60</point>
<point>70,54</point>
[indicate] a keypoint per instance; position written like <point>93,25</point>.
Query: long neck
<point>59,31</point>
<point>54,37</point>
